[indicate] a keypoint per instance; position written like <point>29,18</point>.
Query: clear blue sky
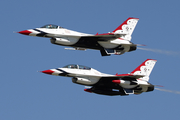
<point>26,94</point>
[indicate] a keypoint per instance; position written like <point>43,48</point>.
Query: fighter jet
<point>135,82</point>
<point>115,42</point>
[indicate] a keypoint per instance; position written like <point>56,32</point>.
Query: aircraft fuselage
<point>116,42</point>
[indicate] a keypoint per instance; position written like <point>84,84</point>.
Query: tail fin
<point>145,69</point>
<point>127,28</point>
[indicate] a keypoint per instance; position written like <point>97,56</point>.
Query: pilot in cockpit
<point>50,26</point>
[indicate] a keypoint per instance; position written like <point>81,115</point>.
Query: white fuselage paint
<point>69,37</point>
<point>86,77</point>
<point>92,76</point>
<point>66,40</point>
<point>115,43</point>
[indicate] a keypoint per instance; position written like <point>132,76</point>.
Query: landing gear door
<point>108,52</point>
<point>129,91</point>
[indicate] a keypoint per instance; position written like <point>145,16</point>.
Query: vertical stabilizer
<point>145,69</point>
<point>127,28</point>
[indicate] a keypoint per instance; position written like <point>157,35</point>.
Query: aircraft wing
<point>103,37</point>
<point>114,77</point>
<point>129,76</point>
<point>123,76</point>
<point>106,86</point>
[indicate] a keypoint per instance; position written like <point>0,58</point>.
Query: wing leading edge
<point>103,37</point>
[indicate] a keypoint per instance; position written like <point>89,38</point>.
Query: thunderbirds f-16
<point>115,42</point>
<point>135,82</point>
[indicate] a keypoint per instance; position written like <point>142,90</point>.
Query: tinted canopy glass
<point>74,66</point>
<point>50,26</point>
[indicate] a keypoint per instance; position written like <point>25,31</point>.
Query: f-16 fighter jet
<point>135,82</point>
<point>115,42</point>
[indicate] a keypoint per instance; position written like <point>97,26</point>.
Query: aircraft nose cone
<point>47,72</point>
<point>25,32</point>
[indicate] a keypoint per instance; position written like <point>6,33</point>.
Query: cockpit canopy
<point>74,66</point>
<point>51,26</point>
